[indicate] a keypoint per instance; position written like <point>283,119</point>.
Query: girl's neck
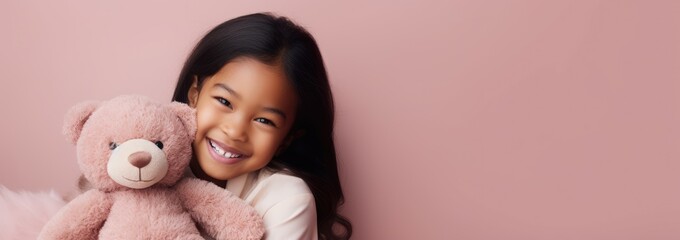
<point>200,174</point>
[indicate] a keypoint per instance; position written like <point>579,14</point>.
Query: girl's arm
<point>79,219</point>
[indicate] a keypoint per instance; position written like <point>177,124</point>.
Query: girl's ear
<point>75,119</point>
<point>186,115</point>
<point>192,95</point>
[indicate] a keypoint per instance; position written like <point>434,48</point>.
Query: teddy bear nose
<point>139,159</point>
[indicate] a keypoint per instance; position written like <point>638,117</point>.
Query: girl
<point>265,124</point>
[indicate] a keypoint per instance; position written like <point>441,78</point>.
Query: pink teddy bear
<point>134,153</point>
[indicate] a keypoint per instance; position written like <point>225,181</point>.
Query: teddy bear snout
<point>140,159</point>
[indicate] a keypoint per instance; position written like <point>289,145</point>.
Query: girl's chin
<point>218,171</point>
<point>218,177</point>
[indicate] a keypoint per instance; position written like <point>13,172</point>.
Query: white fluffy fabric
<point>23,214</point>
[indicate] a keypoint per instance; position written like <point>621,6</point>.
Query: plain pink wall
<point>459,120</point>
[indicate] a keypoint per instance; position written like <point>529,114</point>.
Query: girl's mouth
<point>223,153</point>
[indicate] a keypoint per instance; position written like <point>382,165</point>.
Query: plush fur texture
<point>133,152</point>
<point>23,213</point>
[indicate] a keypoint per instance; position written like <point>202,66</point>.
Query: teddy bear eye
<point>113,145</point>
<point>159,144</point>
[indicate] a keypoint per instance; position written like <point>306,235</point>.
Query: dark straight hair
<point>311,156</point>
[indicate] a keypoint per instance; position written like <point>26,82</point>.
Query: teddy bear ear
<point>187,115</point>
<point>75,119</point>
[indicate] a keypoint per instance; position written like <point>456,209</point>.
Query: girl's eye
<point>265,121</point>
<point>223,101</point>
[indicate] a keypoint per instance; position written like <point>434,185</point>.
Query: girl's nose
<point>236,128</point>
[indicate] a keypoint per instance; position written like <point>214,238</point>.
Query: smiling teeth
<point>222,152</point>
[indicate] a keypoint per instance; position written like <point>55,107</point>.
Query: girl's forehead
<point>250,80</point>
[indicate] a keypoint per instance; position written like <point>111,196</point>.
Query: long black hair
<point>311,156</point>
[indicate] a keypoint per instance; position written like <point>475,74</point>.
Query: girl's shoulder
<point>265,189</point>
<point>286,205</point>
<point>279,182</point>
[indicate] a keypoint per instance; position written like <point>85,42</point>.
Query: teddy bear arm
<point>79,219</point>
<point>220,213</point>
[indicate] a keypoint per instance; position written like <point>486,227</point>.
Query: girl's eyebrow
<point>267,109</point>
<point>225,87</point>
<point>276,111</point>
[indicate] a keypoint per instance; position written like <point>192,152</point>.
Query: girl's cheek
<point>203,118</point>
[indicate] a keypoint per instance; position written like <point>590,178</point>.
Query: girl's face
<point>244,113</point>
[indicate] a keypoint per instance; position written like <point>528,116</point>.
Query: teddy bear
<point>134,152</point>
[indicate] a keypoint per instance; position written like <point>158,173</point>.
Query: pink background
<point>460,120</point>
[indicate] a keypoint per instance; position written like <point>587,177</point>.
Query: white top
<point>285,203</point>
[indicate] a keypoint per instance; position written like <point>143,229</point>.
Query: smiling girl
<point>265,124</point>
